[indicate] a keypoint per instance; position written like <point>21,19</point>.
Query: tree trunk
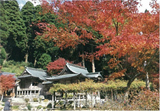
<point>147,81</point>
<point>35,62</point>
<point>26,57</point>
<point>127,89</point>
<point>131,79</point>
<point>93,64</point>
<point>2,96</point>
<point>83,60</point>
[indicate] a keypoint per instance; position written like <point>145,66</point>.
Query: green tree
<point>42,46</point>
<point>3,25</point>
<point>28,16</point>
<point>16,29</point>
<point>39,45</point>
<point>3,55</point>
<point>43,61</point>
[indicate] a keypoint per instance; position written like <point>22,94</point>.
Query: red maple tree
<point>55,67</point>
<point>128,36</point>
<point>6,82</point>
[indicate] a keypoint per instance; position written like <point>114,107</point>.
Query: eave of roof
<point>39,73</point>
<point>76,69</point>
<point>8,73</point>
<point>58,77</point>
<point>47,82</point>
<point>65,76</point>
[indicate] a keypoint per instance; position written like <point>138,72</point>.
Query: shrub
<point>143,100</point>
<point>26,99</point>
<point>69,95</point>
<point>49,105</point>
<point>146,100</point>
<point>35,100</point>
<point>15,107</point>
<point>46,100</point>
<point>39,107</point>
<point>29,106</point>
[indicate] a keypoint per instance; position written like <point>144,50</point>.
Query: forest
<point>107,36</point>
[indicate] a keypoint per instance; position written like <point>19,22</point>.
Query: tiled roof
<point>58,77</point>
<point>76,69</point>
<point>74,75</point>
<point>47,82</point>
<point>33,72</point>
<point>7,73</point>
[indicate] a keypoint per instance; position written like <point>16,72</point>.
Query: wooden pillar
<point>79,100</point>
<point>112,94</point>
<point>53,100</point>
<point>65,99</point>
<point>74,100</point>
<point>13,92</point>
<point>86,98</point>
<point>91,99</point>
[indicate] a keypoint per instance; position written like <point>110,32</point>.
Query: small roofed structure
<point>35,82</point>
<point>31,82</point>
<point>72,74</point>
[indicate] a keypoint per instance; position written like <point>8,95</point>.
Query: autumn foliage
<point>56,66</point>
<point>129,37</point>
<point>7,82</point>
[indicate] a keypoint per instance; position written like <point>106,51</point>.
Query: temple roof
<point>75,72</point>
<point>8,73</point>
<point>69,71</point>
<point>76,69</point>
<point>88,75</point>
<point>33,72</point>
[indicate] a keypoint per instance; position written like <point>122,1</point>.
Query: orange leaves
<point>127,35</point>
<point>117,74</point>
<point>113,63</point>
<point>7,82</point>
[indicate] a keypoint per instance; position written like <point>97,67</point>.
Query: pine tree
<point>16,29</point>
<point>28,16</point>
<point>3,25</point>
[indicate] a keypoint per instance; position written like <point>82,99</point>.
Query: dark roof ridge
<point>92,73</point>
<point>76,65</point>
<point>8,72</point>
<point>35,68</point>
<point>59,75</point>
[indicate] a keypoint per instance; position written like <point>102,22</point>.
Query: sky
<point>145,4</point>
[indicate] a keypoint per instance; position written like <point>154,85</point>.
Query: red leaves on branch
<point>126,33</point>
<point>7,82</point>
<point>57,66</point>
